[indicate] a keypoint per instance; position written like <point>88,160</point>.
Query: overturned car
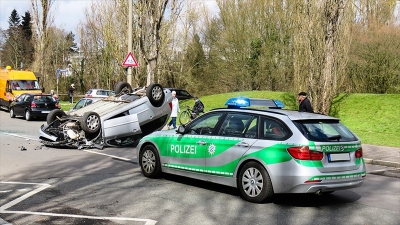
<point>119,120</point>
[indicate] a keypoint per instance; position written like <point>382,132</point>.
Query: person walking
<point>197,108</point>
<point>304,103</point>
<point>175,110</point>
<point>54,95</point>
<point>71,93</point>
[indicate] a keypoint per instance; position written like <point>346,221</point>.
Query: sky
<point>67,13</point>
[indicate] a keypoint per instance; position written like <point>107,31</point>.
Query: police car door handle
<point>243,144</point>
<point>201,142</point>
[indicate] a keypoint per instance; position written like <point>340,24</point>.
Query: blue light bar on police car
<point>238,102</point>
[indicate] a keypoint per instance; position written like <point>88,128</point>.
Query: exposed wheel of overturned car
<point>52,116</point>
<point>156,94</point>
<point>90,122</point>
<point>123,87</point>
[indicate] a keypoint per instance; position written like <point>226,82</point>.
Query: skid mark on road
<point>42,186</point>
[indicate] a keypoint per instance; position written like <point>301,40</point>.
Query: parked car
<point>261,152</point>
<point>96,93</point>
<point>84,102</point>
<point>181,94</point>
<point>118,120</point>
<point>33,105</point>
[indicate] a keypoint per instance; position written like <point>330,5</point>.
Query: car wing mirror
<point>181,129</point>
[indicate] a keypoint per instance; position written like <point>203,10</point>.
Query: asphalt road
<point>40,185</point>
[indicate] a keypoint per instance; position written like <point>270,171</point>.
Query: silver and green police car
<point>259,151</point>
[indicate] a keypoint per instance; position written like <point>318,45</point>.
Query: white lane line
<point>6,191</point>
<point>112,156</point>
<point>44,186</point>
<point>148,221</point>
<point>94,152</point>
<point>23,197</point>
<point>20,136</point>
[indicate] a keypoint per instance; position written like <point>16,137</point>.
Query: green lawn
<point>374,118</point>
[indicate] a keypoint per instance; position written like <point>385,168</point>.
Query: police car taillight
<point>304,153</point>
<point>359,153</point>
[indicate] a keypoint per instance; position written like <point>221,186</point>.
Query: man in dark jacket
<point>197,108</point>
<point>305,104</point>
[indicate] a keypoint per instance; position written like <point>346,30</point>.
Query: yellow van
<point>15,82</point>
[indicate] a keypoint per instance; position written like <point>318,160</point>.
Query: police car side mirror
<point>181,129</point>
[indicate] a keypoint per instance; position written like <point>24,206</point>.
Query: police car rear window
<point>325,131</point>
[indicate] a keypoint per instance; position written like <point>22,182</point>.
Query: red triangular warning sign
<point>130,60</point>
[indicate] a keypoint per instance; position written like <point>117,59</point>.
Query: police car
<point>261,151</point>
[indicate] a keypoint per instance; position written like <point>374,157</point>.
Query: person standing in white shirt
<point>175,110</point>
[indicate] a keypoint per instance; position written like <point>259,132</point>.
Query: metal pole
<point>129,77</point>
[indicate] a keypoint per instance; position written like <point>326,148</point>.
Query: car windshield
<point>325,130</point>
<point>24,85</point>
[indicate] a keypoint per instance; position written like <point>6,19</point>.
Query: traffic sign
<point>130,60</point>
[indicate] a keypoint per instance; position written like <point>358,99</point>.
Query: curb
<point>382,162</point>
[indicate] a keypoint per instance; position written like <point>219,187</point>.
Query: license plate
<point>337,157</point>
<point>45,111</point>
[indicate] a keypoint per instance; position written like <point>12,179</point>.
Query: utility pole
<point>129,77</point>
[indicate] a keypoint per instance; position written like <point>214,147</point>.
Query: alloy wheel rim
<point>157,93</point>
<point>148,161</point>
<point>252,182</point>
<point>92,122</point>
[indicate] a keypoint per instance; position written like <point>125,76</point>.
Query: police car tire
<point>266,193</point>
<point>156,94</point>
<point>123,87</point>
<point>149,161</point>
<point>90,122</point>
<point>53,114</point>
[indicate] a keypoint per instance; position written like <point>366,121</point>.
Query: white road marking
<point>94,152</point>
<point>5,191</point>
<point>44,186</point>
<point>112,156</point>
<point>25,137</point>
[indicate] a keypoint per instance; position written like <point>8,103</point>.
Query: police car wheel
<point>150,162</point>
<point>254,183</point>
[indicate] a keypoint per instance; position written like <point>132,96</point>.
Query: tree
<point>150,15</point>
<point>42,20</point>
<point>12,50</point>
<point>28,49</point>
<point>321,46</point>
